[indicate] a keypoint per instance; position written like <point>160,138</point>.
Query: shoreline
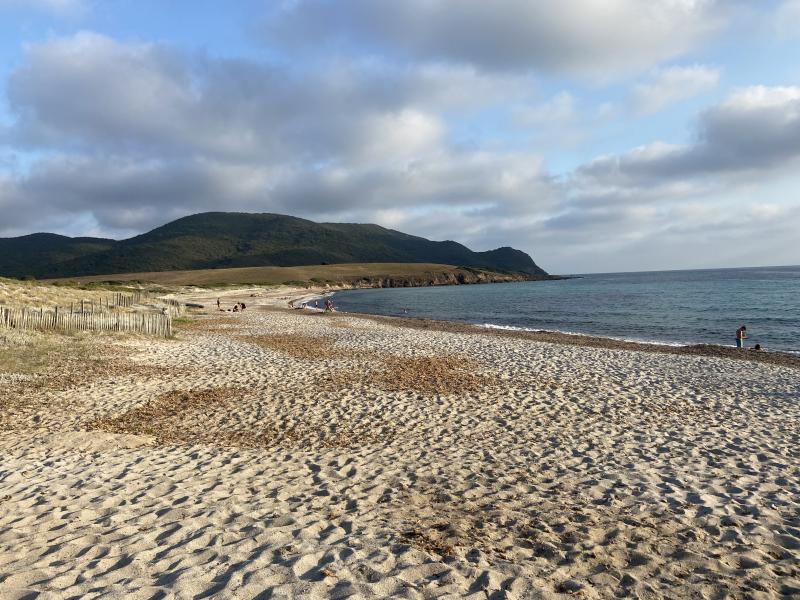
<point>784,359</point>
<point>298,295</point>
<point>778,358</point>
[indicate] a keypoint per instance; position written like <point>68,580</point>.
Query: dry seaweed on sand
<point>432,375</point>
<point>211,323</point>
<point>164,416</point>
<point>432,544</point>
<point>428,375</point>
<point>194,416</point>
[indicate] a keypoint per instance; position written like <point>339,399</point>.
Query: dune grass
<point>25,354</point>
<point>310,275</point>
<point>35,294</point>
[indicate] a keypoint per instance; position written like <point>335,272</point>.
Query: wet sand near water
<point>748,354</point>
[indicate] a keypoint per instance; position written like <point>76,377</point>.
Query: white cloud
<point>584,37</point>
<point>93,93</point>
<point>755,132</point>
<point>454,180</point>
<point>127,196</point>
<point>400,136</point>
<point>128,136</point>
<point>693,205</point>
<point>761,97</point>
<point>128,129</point>
<point>671,85</point>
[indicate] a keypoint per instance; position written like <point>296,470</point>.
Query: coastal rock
<point>462,277</point>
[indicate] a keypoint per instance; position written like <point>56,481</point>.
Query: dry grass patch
<point>271,276</point>
<point>28,357</point>
<point>37,294</point>
<point>165,417</point>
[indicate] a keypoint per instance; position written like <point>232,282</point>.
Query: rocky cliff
<point>459,277</point>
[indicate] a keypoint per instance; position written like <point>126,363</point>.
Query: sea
<point>667,307</point>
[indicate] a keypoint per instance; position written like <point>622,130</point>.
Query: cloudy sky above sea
<point>597,136</point>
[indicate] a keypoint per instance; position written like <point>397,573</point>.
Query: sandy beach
<point>291,454</point>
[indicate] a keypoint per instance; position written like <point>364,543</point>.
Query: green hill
<point>40,253</point>
<point>220,240</point>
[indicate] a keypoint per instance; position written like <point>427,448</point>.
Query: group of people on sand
<point>238,307</point>
<point>303,305</point>
<point>741,335</point>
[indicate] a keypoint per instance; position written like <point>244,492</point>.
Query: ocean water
<point>673,307</point>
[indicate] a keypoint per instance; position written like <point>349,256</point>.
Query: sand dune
<point>279,454</point>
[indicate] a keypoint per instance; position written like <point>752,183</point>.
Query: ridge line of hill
<point>222,240</point>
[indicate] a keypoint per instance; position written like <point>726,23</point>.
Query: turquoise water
<point>674,307</point>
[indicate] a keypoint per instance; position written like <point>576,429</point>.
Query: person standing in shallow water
<point>741,333</point>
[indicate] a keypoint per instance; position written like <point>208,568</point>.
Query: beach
<point>293,454</point>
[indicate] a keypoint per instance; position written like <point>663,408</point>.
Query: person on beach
<point>757,347</point>
<point>741,334</point>
<point>218,307</point>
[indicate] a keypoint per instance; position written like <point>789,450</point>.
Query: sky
<point>597,136</point>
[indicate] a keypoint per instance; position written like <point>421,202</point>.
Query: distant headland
<point>220,240</point>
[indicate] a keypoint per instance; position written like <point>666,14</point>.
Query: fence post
<point>149,323</point>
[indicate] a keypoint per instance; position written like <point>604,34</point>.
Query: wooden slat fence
<point>174,307</point>
<point>128,300</point>
<point>60,320</point>
<point>120,300</point>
